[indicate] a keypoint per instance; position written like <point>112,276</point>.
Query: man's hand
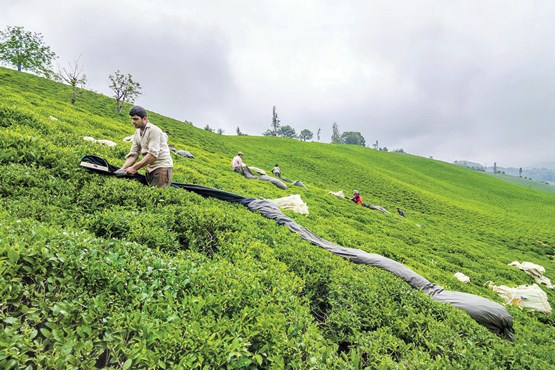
<point>130,170</point>
<point>120,172</point>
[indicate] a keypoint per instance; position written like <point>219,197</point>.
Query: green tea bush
<point>103,272</point>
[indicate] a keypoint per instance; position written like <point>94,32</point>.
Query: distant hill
<point>103,272</point>
<point>471,165</point>
<point>537,174</point>
<point>548,165</point>
<point>545,174</point>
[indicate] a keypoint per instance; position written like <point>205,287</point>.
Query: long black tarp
<point>490,314</point>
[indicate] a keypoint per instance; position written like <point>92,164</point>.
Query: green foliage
<point>26,50</point>
<point>287,131</point>
<point>306,135</point>
<point>353,137</point>
<point>103,272</point>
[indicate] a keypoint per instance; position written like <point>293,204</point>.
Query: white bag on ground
<point>338,194</point>
<point>525,296</point>
<point>101,141</point>
<point>257,170</point>
<point>535,271</point>
<point>292,202</point>
<point>462,277</point>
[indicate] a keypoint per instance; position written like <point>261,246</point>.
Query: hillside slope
<point>99,271</point>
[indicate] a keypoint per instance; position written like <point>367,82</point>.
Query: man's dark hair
<point>137,111</point>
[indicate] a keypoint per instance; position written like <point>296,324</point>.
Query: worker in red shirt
<point>356,198</point>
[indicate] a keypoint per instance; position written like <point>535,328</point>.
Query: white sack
<point>292,202</point>
<point>462,277</point>
<point>525,296</point>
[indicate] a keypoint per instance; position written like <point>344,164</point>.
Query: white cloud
<point>453,80</point>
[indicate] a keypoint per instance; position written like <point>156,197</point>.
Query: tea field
<point>103,272</point>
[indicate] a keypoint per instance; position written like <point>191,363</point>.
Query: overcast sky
<point>455,80</point>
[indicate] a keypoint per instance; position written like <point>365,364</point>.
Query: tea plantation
<point>103,272</point>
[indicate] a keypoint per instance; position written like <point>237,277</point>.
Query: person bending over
<point>150,142</point>
<point>357,198</point>
<point>237,163</point>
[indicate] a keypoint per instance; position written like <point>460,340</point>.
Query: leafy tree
<point>124,88</point>
<point>287,131</point>
<point>520,172</point>
<point>208,128</point>
<point>220,131</point>
<point>73,76</point>
<point>306,135</point>
<point>353,137</point>
<point>26,50</point>
<point>335,136</point>
<point>318,134</point>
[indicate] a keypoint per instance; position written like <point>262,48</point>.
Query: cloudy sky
<point>472,80</point>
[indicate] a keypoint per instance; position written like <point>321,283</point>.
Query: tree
<point>305,135</point>
<point>494,167</point>
<point>353,137</point>
<point>287,131</point>
<point>335,136</point>
<point>207,128</point>
<point>124,88</point>
<point>275,123</point>
<point>26,50</point>
<point>318,134</point>
<point>520,172</point>
<point>376,145</point>
<point>239,133</point>
<point>220,131</point>
<point>73,76</point>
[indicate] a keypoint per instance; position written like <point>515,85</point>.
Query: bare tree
<point>124,88</point>
<point>73,76</point>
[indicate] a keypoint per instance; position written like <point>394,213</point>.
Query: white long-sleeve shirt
<point>237,162</point>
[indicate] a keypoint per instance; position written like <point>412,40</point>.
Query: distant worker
<point>356,198</point>
<point>400,211</point>
<point>182,153</point>
<point>276,171</point>
<point>150,142</point>
<point>237,163</point>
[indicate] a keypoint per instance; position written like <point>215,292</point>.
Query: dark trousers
<point>160,177</point>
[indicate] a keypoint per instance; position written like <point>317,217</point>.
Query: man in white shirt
<point>237,162</point>
<point>150,142</point>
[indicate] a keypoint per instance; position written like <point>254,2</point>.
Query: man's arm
<point>148,158</point>
<point>131,159</point>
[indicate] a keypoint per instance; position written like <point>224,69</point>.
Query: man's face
<point>138,122</point>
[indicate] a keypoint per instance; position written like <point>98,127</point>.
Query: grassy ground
<point>103,272</point>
